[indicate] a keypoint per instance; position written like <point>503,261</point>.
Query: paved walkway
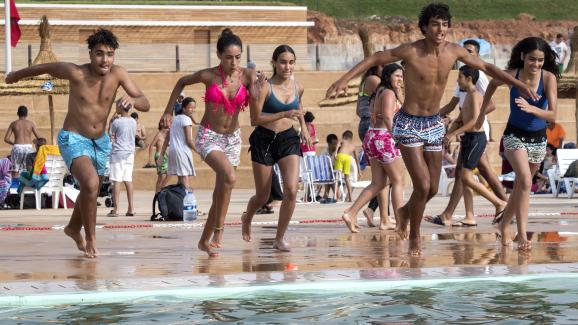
<point>133,248</point>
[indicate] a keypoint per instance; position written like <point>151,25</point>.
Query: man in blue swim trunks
<point>83,142</point>
<point>417,127</point>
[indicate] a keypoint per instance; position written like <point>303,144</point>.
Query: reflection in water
<point>542,301</point>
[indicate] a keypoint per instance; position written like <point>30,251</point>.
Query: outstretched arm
<point>380,58</point>
<point>495,72</point>
<point>61,70</point>
<point>137,99</point>
<point>190,79</point>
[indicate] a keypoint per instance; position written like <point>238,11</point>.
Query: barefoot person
<point>380,147</point>
<point>486,170</point>
<point>218,139</point>
<point>369,83</point>
<point>417,127</point>
<point>472,146</point>
<point>274,141</point>
<point>533,62</point>
<point>82,141</point>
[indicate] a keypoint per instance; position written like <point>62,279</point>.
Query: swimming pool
<point>519,299</point>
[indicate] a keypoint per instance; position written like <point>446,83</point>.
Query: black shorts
<point>268,147</point>
<point>472,148</point>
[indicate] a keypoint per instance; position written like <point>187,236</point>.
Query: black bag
<point>572,170</point>
<point>170,201</point>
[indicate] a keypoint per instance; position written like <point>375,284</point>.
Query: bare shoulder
<point>300,87</point>
<point>119,71</point>
<point>386,93</point>
<point>406,50</point>
<point>550,78</point>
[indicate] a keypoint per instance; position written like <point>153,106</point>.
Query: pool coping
<point>209,286</point>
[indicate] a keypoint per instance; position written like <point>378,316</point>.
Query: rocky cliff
<point>395,30</point>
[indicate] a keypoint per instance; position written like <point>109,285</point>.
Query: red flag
<point>14,28</point>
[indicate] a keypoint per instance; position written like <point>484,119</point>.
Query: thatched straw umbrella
<point>40,85</point>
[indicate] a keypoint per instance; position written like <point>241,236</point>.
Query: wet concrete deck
<point>45,261</point>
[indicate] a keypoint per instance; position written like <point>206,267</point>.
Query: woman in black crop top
<point>275,141</point>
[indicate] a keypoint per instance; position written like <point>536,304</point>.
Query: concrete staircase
<point>157,87</point>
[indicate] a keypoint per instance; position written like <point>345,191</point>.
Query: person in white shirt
<point>561,49</point>
<point>484,167</point>
<point>122,133</point>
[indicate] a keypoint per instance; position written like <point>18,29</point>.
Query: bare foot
<point>246,228</point>
<point>524,245</point>
<point>368,213</point>
<point>77,237</point>
<point>401,226</point>
<point>217,236</point>
<point>281,245</point>
<point>347,219</point>
<point>505,235</point>
<point>91,251</point>
<point>386,225</point>
<point>206,247</point>
<point>415,247</point>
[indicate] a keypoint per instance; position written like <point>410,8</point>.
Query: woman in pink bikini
<point>219,137</point>
<point>378,144</point>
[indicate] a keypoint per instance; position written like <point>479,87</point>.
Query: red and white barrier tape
<point>235,223</point>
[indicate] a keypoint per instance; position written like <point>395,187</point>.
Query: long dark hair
<point>226,39</point>
<point>528,45</point>
<point>280,50</point>
<point>388,70</point>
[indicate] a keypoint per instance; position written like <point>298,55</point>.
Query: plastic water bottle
<point>189,207</point>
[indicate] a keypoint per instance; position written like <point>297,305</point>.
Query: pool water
<point>546,300</point>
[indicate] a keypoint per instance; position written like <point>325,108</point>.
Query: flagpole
<point>7,37</point>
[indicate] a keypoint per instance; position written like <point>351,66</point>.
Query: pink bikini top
<point>214,94</point>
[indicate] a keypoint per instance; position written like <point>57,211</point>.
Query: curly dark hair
<point>102,36</point>
<point>528,45</point>
<point>434,10</point>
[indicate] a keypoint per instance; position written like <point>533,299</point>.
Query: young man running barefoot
<point>418,128</point>
<point>473,145</point>
<point>83,141</point>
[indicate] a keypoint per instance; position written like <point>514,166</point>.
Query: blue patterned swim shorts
<point>73,145</point>
<point>416,131</point>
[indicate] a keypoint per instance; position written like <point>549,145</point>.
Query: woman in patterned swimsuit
<point>219,138</point>
<point>533,62</point>
<point>378,144</point>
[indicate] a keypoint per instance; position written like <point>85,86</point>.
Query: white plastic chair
<point>55,170</point>
<point>565,157</point>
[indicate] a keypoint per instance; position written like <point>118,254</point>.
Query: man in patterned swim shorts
<point>417,127</point>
